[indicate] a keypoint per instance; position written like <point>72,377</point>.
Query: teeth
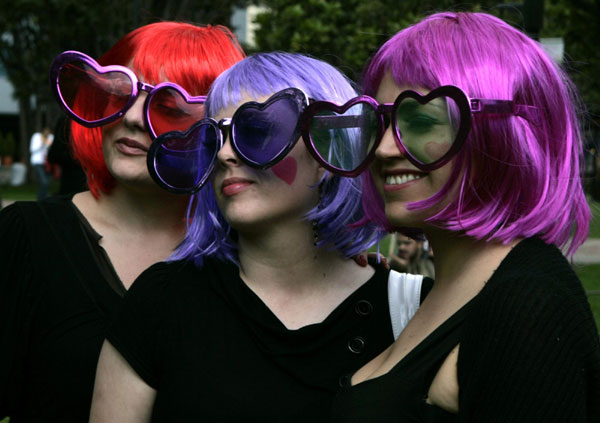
<point>401,179</point>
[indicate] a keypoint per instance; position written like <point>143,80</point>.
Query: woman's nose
<point>134,117</point>
<point>389,148</point>
<point>226,155</point>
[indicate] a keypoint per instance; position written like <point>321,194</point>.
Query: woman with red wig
<point>65,263</point>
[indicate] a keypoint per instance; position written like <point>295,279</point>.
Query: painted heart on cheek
<point>286,170</point>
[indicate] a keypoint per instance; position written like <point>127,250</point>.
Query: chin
<point>398,215</point>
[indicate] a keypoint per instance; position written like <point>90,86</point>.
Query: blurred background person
<point>38,147</point>
<point>411,255</point>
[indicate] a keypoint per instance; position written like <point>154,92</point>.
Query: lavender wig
<point>261,75</point>
<point>512,178</point>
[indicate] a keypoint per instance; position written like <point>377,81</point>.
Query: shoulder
<point>534,298</point>
<point>173,282</point>
<point>16,219</point>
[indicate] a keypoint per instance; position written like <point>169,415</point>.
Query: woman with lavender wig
<point>483,155</point>
<point>265,312</point>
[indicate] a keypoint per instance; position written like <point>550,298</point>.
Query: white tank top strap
<point>404,296</point>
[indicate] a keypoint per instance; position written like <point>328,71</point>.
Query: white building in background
<point>8,105</point>
<point>555,47</point>
<point>242,22</point>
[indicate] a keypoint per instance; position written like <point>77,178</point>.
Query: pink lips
<point>131,147</point>
<point>232,186</point>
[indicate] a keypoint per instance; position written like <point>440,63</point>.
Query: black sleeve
<point>530,355</point>
<point>141,322</point>
<point>18,296</point>
<point>426,286</point>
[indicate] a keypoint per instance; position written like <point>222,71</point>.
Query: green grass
<point>27,191</point>
<point>590,278</point>
<point>595,223</point>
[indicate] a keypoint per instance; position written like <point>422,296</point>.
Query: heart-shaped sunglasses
<point>94,95</point>
<point>428,129</point>
<point>261,134</point>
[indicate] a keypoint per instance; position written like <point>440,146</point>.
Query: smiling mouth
<point>402,179</point>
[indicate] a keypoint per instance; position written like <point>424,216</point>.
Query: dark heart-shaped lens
<point>343,136</point>
<point>92,95</point>
<point>428,130</point>
<point>182,161</point>
<point>431,128</point>
<point>169,110</point>
<point>264,132</point>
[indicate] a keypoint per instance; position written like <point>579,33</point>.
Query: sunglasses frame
<point>136,87</point>
<point>466,107</point>
<point>225,127</point>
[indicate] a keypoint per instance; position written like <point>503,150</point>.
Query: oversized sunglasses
<point>94,95</point>
<point>261,134</point>
<point>428,129</point>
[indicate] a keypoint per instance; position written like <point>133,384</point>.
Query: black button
<point>356,345</point>
<point>363,308</point>
<point>345,379</point>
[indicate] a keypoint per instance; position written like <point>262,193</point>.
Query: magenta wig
<point>512,178</point>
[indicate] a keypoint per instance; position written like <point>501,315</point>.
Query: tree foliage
<point>343,32</point>
<point>347,32</point>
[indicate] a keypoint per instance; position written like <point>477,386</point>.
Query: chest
<point>222,364</point>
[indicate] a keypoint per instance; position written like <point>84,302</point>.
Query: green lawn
<point>24,192</point>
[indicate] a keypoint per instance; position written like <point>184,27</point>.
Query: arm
<point>120,395</point>
<point>19,296</point>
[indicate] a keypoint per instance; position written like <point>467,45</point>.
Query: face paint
<point>286,170</point>
<point>435,150</point>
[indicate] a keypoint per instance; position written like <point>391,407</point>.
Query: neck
<point>463,260</point>
<point>149,211</point>
<point>286,256</point>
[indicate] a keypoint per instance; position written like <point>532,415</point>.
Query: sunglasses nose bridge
<point>142,86</point>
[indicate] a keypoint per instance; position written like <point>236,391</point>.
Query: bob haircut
<point>261,75</point>
<point>189,55</point>
<point>512,178</point>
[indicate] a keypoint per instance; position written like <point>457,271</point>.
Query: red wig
<point>189,55</point>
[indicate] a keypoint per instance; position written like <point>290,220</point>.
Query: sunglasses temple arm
<point>529,113</point>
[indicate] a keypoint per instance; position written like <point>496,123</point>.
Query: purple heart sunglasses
<point>95,95</point>
<point>261,134</point>
<point>429,130</point>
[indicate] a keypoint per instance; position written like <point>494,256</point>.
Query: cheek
<point>286,170</point>
<point>436,150</point>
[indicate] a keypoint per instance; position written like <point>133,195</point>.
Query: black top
<point>216,353</point>
<point>55,305</point>
<point>529,352</point>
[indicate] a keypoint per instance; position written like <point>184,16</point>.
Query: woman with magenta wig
<point>66,262</point>
<point>475,142</point>
<point>266,312</point>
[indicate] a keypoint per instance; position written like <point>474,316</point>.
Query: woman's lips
<point>131,147</point>
<point>394,182</point>
<point>232,186</point>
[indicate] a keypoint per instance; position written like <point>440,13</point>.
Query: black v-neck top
<point>215,352</point>
<point>529,352</point>
<point>55,306</point>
